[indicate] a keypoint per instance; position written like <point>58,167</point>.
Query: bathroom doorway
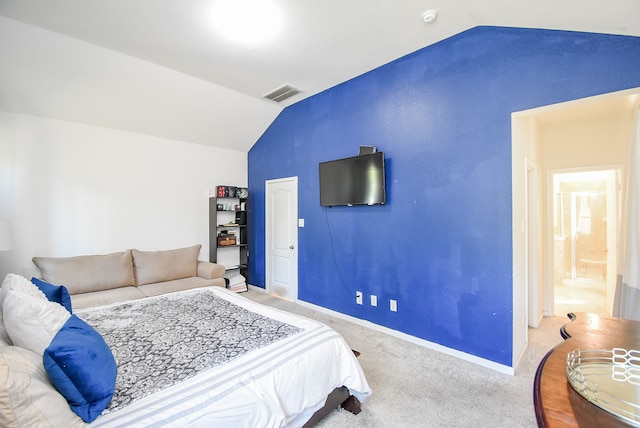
<point>585,215</point>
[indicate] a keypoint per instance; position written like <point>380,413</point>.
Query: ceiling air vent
<point>282,93</point>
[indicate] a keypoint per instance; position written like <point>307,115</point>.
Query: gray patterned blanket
<point>161,341</point>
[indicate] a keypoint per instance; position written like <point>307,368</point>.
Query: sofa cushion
<point>178,285</point>
<point>106,297</point>
<point>160,266</point>
<point>27,398</point>
<point>55,293</point>
<point>82,368</point>
<point>84,274</point>
<point>208,270</point>
<point>31,321</point>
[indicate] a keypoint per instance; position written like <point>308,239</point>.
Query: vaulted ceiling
<point>161,67</point>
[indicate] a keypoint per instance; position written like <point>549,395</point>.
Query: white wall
<point>593,141</point>
<point>71,189</point>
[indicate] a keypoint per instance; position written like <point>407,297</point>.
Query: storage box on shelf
<point>228,234</point>
<point>226,240</point>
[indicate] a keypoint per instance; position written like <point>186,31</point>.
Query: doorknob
<point>291,247</point>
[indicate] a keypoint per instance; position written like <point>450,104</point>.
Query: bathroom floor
<point>576,298</point>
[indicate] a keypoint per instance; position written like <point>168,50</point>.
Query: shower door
<point>584,217</point>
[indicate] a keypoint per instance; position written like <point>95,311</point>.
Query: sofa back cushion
<point>160,266</point>
<point>84,274</point>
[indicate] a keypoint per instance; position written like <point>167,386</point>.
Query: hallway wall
<point>584,143</point>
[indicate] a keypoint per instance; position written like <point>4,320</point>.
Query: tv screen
<point>358,180</point>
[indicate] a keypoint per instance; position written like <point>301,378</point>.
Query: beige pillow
<point>27,398</point>
<point>84,274</point>
<point>160,266</point>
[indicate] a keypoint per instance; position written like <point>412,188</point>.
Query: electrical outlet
<point>393,305</point>
<point>359,297</point>
<point>374,300</point>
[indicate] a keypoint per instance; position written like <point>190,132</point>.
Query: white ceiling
<point>322,43</point>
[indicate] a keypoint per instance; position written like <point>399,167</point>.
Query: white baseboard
<point>400,335</point>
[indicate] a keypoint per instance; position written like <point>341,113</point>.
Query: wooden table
<point>556,403</point>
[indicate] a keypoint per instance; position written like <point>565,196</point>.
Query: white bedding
<point>281,384</point>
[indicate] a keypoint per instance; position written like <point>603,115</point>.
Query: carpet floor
<point>414,386</point>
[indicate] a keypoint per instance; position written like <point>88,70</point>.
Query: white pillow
<point>32,322</point>
<point>19,283</point>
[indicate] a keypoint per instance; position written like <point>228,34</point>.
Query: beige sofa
<point>133,274</point>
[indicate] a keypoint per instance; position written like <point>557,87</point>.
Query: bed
<point>210,357</point>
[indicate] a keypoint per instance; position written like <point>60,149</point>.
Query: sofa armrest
<point>208,270</point>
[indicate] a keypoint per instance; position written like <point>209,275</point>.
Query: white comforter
<point>279,385</point>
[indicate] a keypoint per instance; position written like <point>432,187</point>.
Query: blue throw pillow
<point>55,293</point>
<point>81,367</point>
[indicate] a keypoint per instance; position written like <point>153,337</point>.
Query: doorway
<point>585,218</point>
<point>281,216</point>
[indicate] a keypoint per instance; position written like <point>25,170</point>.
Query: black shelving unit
<point>228,213</point>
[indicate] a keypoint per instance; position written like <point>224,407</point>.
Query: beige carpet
<point>417,387</point>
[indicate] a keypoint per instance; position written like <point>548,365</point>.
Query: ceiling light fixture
<point>249,22</point>
<point>430,16</point>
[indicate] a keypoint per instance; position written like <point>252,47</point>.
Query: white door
<point>281,216</point>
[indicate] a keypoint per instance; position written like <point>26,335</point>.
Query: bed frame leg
<point>352,404</point>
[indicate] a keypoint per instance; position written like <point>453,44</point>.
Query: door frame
<point>267,241</point>
<point>532,245</point>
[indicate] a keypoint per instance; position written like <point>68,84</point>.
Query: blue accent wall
<point>442,245</point>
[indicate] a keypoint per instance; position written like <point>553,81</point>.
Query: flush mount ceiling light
<point>249,22</point>
<point>430,16</point>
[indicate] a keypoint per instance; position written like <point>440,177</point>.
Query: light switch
<point>300,222</point>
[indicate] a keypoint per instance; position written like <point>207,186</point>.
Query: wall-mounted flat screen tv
<point>359,180</point>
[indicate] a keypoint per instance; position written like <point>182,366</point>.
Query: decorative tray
<point>610,379</point>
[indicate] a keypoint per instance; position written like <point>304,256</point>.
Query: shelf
<point>225,213</point>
